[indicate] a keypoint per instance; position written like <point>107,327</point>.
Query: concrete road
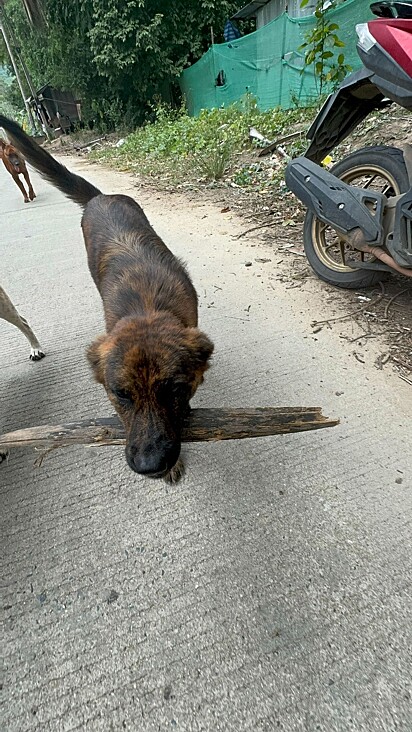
<point>271,590</point>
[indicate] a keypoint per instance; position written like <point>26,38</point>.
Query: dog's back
<point>131,266</point>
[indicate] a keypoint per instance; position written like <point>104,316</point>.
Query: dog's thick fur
<point>8,312</point>
<point>153,357</point>
<point>15,164</point>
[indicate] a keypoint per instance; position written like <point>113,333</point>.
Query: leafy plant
<point>321,43</point>
<point>214,162</point>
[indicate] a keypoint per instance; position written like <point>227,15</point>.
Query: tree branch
<point>202,425</point>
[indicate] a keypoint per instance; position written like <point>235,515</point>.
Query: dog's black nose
<point>154,459</point>
<point>150,464</point>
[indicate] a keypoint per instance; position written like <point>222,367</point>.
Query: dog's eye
<point>122,395</point>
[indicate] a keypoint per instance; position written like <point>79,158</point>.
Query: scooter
<point>358,226</point>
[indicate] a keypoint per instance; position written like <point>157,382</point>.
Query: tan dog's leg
<point>8,312</point>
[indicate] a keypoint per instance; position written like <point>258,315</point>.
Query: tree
<point>117,55</point>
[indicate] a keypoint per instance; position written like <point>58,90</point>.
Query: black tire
<point>388,164</point>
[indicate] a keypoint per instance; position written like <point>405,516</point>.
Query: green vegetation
<point>320,46</point>
<point>6,103</point>
<point>177,148</point>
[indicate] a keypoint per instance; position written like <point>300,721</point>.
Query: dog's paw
<point>176,473</point>
<point>3,456</point>
<point>36,354</point>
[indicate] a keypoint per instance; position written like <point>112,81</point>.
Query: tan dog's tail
<point>73,186</point>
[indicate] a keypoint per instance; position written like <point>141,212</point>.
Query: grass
<point>176,148</point>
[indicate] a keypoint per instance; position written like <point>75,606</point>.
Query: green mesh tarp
<point>267,63</point>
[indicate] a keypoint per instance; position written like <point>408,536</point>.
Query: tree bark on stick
<point>202,425</point>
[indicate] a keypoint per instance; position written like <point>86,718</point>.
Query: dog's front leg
<point>36,352</point>
<point>22,188</point>
<point>32,194</point>
<point>176,473</point>
<point>9,313</point>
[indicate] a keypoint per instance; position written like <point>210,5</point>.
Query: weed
<point>214,162</point>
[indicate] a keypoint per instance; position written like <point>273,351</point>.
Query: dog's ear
<point>96,354</point>
<point>201,349</point>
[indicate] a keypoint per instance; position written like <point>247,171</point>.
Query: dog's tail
<point>73,186</point>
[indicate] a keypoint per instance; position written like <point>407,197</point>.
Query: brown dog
<point>153,357</point>
<point>14,163</point>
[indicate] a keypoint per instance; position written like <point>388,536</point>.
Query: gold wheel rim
<point>333,252</point>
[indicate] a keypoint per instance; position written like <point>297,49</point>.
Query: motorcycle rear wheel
<point>380,168</point>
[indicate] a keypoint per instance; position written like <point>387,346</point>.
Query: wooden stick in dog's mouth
<point>203,425</point>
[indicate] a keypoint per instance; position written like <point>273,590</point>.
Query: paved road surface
<point>271,590</point>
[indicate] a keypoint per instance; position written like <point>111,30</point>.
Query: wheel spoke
<point>364,181</point>
<point>370,181</point>
<point>388,189</point>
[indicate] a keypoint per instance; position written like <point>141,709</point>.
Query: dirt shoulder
<point>381,314</point>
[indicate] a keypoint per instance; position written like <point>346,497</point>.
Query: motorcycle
<point>358,226</point>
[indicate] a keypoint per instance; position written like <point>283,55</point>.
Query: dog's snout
<point>150,464</point>
<point>153,461</point>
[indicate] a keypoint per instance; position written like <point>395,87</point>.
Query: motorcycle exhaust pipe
<point>356,240</point>
<point>385,258</point>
